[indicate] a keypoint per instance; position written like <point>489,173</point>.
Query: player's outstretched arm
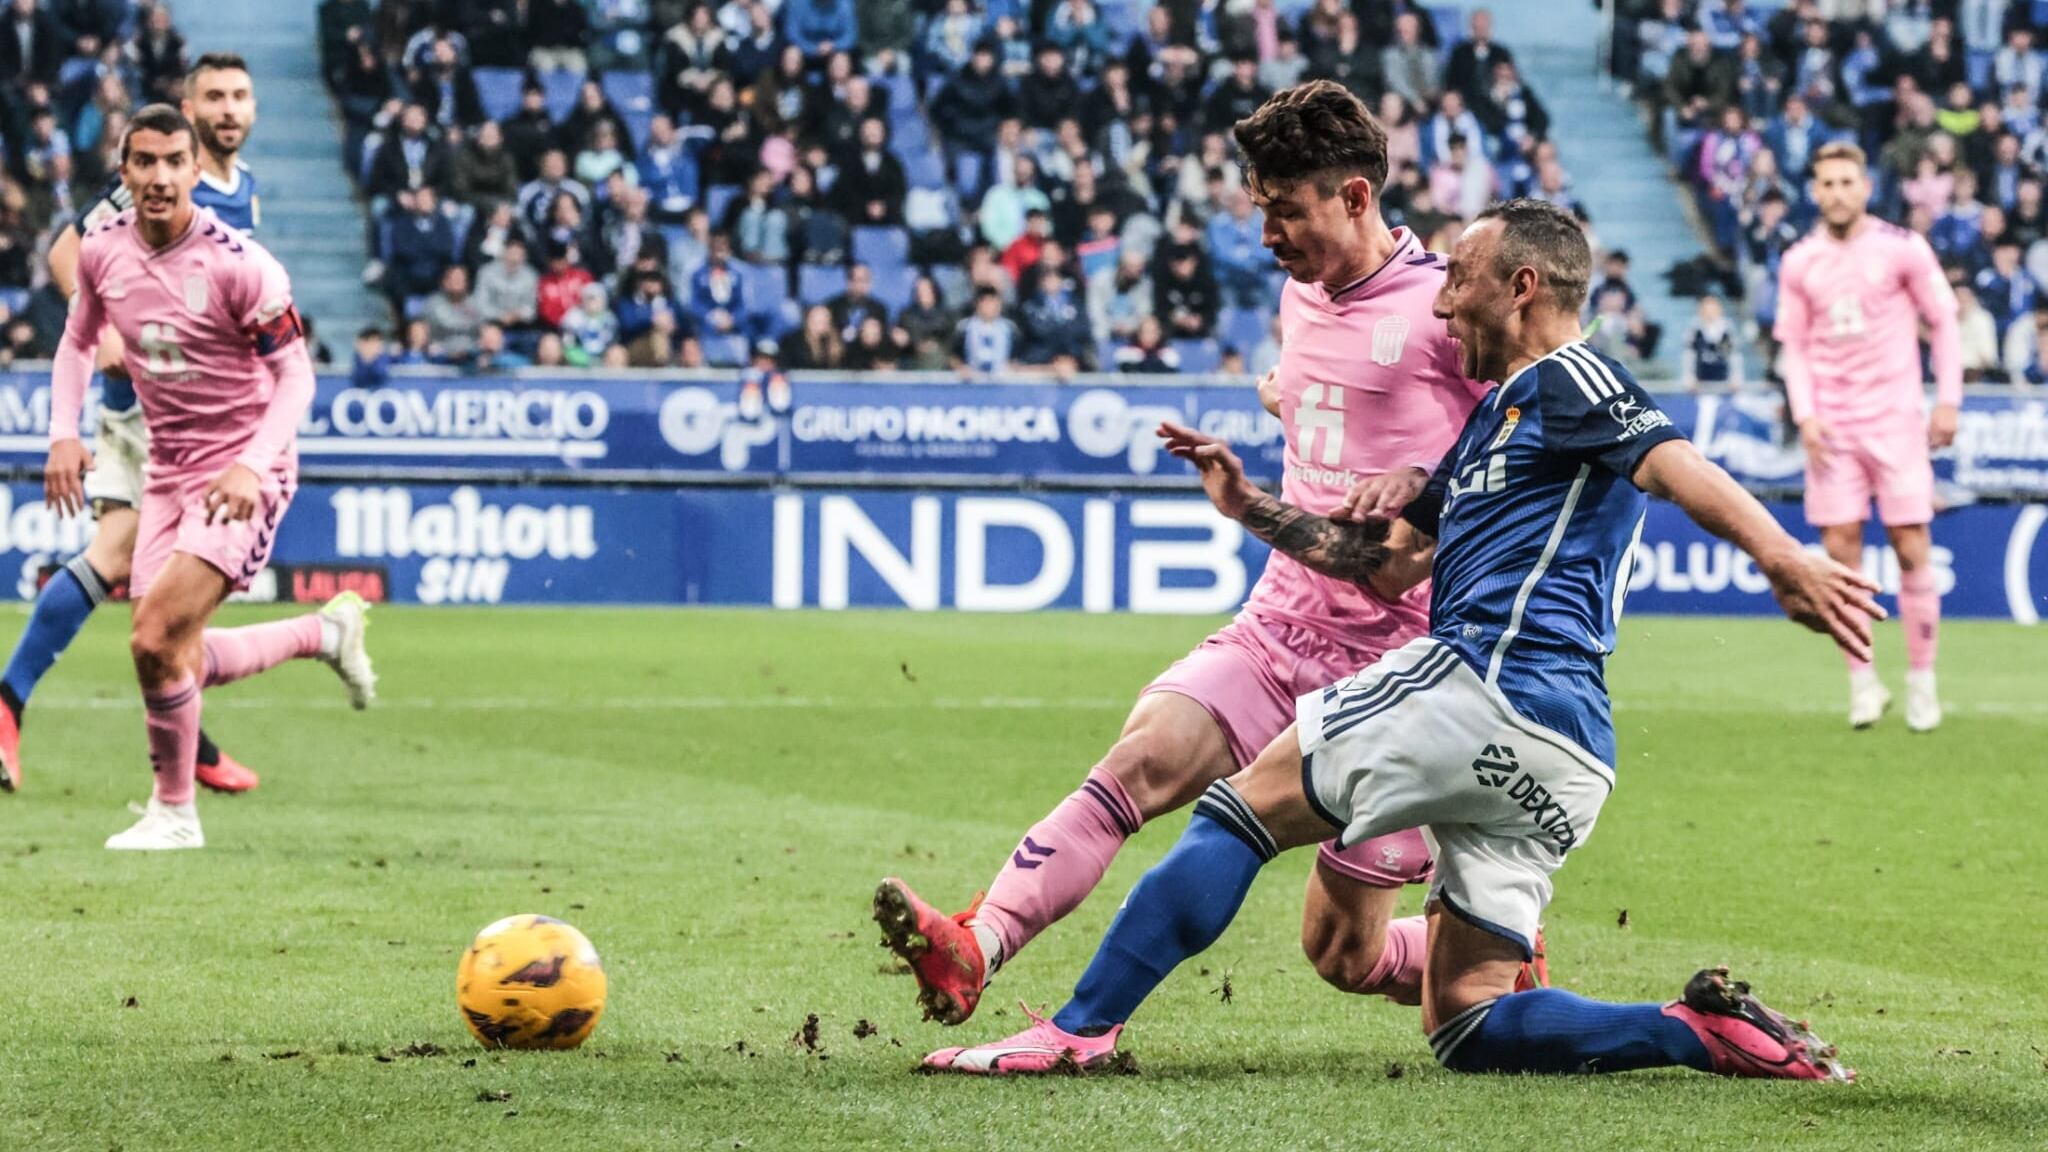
<point>1388,558</point>
<point>1812,589</point>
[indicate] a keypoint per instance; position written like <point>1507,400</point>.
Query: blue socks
<point>61,610</point>
<point>1550,1030</point>
<point>1177,909</point>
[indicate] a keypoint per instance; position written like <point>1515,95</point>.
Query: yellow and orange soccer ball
<point>531,982</point>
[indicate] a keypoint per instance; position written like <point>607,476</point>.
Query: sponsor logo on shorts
<point>1496,765</point>
<point>1543,808</point>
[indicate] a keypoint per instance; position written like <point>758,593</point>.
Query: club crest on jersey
<point>1389,339</point>
<point>1507,428</point>
<point>195,292</point>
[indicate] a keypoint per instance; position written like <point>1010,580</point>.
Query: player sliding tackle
<point>1493,731</point>
<point>1369,385</point>
<point>215,350</point>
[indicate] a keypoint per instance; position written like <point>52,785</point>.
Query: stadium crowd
<point>1945,96</point>
<point>980,185</point>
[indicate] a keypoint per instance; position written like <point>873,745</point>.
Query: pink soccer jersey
<point>200,319</point>
<point>1849,314</point>
<point>1370,382</point>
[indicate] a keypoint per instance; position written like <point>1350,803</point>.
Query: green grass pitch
<point>711,796</point>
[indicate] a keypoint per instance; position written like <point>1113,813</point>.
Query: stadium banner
<point>975,550</point>
<point>941,431</point>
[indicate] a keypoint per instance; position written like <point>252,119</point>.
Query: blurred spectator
<point>1409,65</point>
<point>820,27</point>
<point>816,344</point>
<point>1148,352</point>
<point>416,348</point>
<point>508,288</point>
<point>590,333</point>
<point>2005,289</point>
<point>652,326</point>
<point>718,293</point>
<point>409,159</point>
<point>493,354</point>
<point>871,185</point>
<point>32,46</point>
<point>371,366</point>
<point>667,171</point>
<point>1473,59</point>
<point>853,306</point>
<point>529,132</point>
<point>1006,209</point>
<point>927,326</point>
<point>1982,358</point>
<point>561,285</point>
<point>483,172</point>
<point>986,340</point>
<point>1119,298</point>
<point>1050,93</point>
<point>1462,180</point>
<point>537,197</point>
<point>556,31</point>
<point>453,316</point>
<point>422,245</point>
<point>1236,98</point>
<point>1184,295</point>
<point>444,88</point>
<point>159,55</point>
<point>1054,327</point>
<point>1713,354</point>
<point>2026,351</point>
<point>1241,262</point>
<point>874,348</point>
<point>602,156</point>
<point>758,224</point>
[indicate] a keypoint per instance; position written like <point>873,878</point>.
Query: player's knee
<point>154,642</point>
<point>1152,777</point>
<point>1346,959</point>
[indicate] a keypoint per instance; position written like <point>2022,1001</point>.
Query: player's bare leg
<point>1171,749</point>
<point>1868,697</point>
<point>1357,945</point>
<point>1920,616</point>
<point>168,647</point>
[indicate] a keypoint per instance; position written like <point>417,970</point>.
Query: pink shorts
<point>1888,462</point>
<point>173,519</point>
<point>1248,676</point>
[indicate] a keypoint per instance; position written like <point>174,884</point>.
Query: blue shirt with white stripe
<point>1535,516</point>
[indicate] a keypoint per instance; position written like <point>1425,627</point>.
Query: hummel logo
<point>1033,847</point>
<point>1496,765</point>
<point>116,289</point>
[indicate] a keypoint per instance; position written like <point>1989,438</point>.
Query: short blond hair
<point>1840,150</point>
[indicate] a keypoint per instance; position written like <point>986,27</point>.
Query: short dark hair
<point>158,118</point>
<point>1315,131</point>
<point>1538,234</point>
<point>215,62</point>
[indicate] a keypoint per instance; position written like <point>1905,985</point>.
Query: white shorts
<point>1418,739</point>
<point>120,460</point>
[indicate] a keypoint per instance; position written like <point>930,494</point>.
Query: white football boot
<point>1868,697</point>
<point>1923,705</point>
<point>344,620</point>
<point>162,827</point>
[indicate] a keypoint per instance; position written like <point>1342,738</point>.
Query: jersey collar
<point>228,188</point>
<point>1404,241</point>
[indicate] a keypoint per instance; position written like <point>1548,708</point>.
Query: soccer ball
<point>530,982</point>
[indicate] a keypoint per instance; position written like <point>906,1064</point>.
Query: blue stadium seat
<point>955,290</point>
<point>629,91</point>
<point>638,124</point>
<point>1450,25</point>
<point>893,289</point>
<point>788,320</point>
<point>560,89</point>
<point>908,134</point>
<point>881,248</point>
<point>767,287</point>
<point>923,169</point>
<point>1198,357</point>
<point>725,351</point>
<point>967,177</point>
<point>817,283</point>
<point>717,198</point>
<point>371,143</point>
<point>498,89</point>
<point>1241,328</point>
<point>14,299</point>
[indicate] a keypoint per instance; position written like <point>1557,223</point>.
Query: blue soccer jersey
<point>1535,517</point>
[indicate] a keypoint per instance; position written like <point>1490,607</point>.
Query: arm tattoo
<point>1351,551</point>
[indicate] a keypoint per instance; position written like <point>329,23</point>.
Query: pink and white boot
<point>1747,1039</point>
<point>1040,1050</point>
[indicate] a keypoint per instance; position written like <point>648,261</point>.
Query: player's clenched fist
<point>1381,497</point>
<point>64,476</point>
<point>233,495</point>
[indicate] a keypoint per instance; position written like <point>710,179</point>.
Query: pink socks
<point>1398,973</point>
<point>1920,615</point>
<point>1061,860</point>
<point>173,719</point>
<point>235,653</point>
